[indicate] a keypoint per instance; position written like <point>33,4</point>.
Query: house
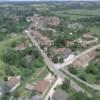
<point>45,41</point>
<point>42,40</point>
<point>75,25</point>
<point>88,36</point>
<point>66,53</point>
<point>36,97</point>
<point>63,52</point>
<point>69,43</point>
<point>20,47</point>
<point>85,59</point>
<point>22,98</point>
<point>29,19</point>
<point>1,92</point>
<point>41,87</point>
<point>60,95</point>
<point>13,83</point>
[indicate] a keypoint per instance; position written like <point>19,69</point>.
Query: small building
<point>36,97</point>
<point>22,98</point>
<point>45,41</point>
<point>63,52</point>
<point>60,95</point>
<point>13,83</point>
<point>41,87</point>
<point>20,47</point>
<point>88,36</point>
<point>69,43</point>
<point>1,92</point>
<point>75,25</point>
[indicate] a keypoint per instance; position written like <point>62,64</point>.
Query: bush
<point>66,84</point>
<point>10,56</point>
<point>79,96</point>
<point>55,59</point>
<point>73,70</point>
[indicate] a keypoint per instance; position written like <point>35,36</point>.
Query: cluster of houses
<point>42,40</point>
<point>86,40</point>
<point>43,21</point>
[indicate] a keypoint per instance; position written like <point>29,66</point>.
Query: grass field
<point>77,13</point>
<point>84,11</point>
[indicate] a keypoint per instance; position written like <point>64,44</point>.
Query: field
<point>85,12</point>
<point>77,13</point>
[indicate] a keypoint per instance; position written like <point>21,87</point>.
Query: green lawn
<point>77,13</point>
<point>90,78</point>
<point>84,11</point>
<point>71,16</point>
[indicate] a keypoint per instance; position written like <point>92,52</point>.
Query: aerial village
<point>59,57</point>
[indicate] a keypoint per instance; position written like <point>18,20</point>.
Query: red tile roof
<point>86,58</point>
<point>13,81</point>
<point>41,86</point>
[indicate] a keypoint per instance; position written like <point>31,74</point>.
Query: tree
<point>60,41</point>
<point>61,60</point>
<point>79,96</point>
<point>55,59</point>
<point>83,77</point>
<point>11,71</point>
<point>10,56</point>
<point>73,70</point>
<point>66,84</point>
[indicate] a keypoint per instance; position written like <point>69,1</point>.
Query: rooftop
<point>41,86</point>
<point>59,95</point>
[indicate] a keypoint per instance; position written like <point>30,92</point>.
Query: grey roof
<point>66,53</point>
<point>21,98</point>
<point>60,95</point>
<point>36,97</point>
<point>29,87</point>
